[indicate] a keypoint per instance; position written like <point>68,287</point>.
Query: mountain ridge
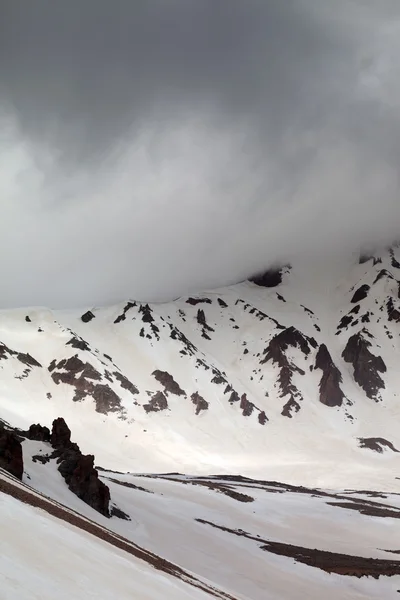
<point>245,367</point>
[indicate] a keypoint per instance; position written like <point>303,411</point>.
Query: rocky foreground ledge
<point>76,468</point>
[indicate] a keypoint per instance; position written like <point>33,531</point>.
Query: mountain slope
<point>291,377</point>
<point>230,537</point>
<point>249,379</point>
<point>107,567</point>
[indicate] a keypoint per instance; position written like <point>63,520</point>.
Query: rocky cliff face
<point>78,469</point>
<point>11,453</point>
<point>367,366</point>
<point>330,392</point>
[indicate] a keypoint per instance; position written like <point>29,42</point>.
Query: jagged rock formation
<point>73,371</point>
<point>38,433</point>
<point>11,459</point>
<point>23,357</point>
<point>60,434</point>
<point>275,352</point>
<point>78,469</point>
<point>83,480</point>
<point>169,383</point>
<point>330,392</point>
<point>366,365</point>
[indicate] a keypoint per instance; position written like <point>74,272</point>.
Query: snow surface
<point>164,512</point>
<point>217,353</point>
<point>58,561</point>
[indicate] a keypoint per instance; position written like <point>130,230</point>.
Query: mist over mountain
<point>153,149</point>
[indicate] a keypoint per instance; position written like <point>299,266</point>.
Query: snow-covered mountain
<point>291,377</point>
<point>234,380</point>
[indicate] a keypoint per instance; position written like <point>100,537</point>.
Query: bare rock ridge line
<point>330,392</point>
<point>23,357</point>
<point>276,353</point>
<point>59,511</point>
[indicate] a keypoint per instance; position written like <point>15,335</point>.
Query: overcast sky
<point>152,147</point>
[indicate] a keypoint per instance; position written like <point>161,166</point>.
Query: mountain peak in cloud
<point>198,146</point>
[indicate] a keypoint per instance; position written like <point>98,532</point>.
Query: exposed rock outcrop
<point>270,278</point>
<point>366,256</point>
<point>60,434</point>
<point>87,382</point>
<point>87,316</point>
<point>158,402</point>
<point>83,480</point>
<point>377,444</point>
<point>276,353</point>
<point>360,294</point>
<point>291,406</point>
<point>78,469</point>
<point>199,402</point>
<point>330,392</point>
<point>169,383</point>
<point>262,417</point>
<point>366,365</point>
<point>152,329</point>
<point>122,316</point>
<point>11,459</point>
<point>393,312</point>
<point>194,301</point>
<point>23,357</point>
<point>38,433</point>
<point>201,319</point>
<point>246,406</point>
<point>125,383</point>
<point>78,343</point>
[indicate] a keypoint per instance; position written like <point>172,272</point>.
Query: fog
<point>157,147</point>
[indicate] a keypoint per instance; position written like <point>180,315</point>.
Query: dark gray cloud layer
<point>156,146</point>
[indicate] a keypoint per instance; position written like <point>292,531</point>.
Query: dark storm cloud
<point>103,66</point>
<point>154,146</point>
